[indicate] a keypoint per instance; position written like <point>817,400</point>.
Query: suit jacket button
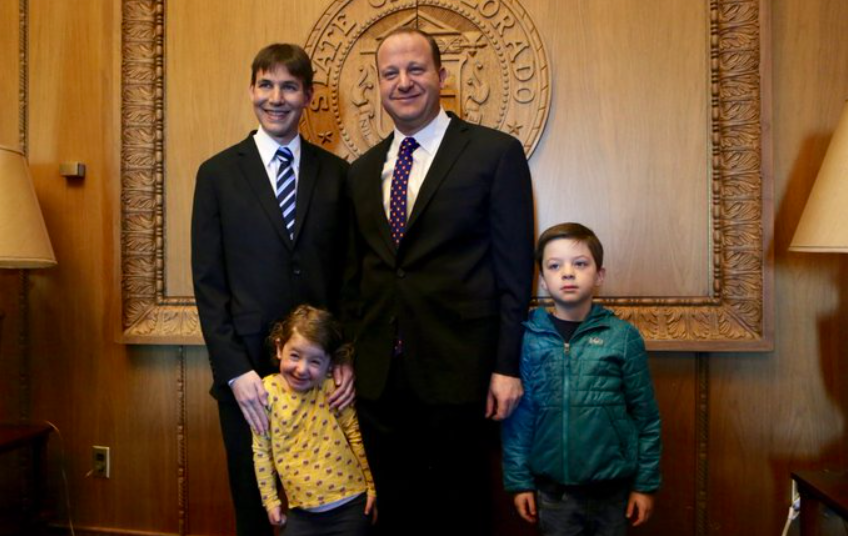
<point>400,273</point>
<point>296,270</point>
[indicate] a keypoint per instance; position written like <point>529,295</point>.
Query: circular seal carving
<point>497,69</point>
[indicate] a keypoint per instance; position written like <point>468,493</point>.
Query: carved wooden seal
<point>498,72</point>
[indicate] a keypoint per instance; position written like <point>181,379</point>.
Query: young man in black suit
<point>268,233</point>
<point>441,283</point>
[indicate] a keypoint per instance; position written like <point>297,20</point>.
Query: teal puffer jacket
<point>588,413</point>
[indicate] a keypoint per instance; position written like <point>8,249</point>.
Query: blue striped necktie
<point>286,187</point>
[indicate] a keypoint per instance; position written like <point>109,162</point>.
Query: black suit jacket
<point>458,286</point>
<point>247,272</point>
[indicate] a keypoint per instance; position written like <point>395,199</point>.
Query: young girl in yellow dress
<point>317,453</point>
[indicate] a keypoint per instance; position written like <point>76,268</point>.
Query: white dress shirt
<point>429,138</point>
<point>268,150</point>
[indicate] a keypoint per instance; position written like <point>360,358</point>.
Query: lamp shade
<point>23,236</point>
<point>824,224</point>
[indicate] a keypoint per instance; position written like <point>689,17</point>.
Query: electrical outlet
<point>100,461</point>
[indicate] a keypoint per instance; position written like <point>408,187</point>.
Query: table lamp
<point>23,236</point>
<point>824,226</point>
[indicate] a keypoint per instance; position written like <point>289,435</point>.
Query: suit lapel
<point>307,178</point>
<point>253,171</point>
<point>374,192</point>
<point>451,147</point>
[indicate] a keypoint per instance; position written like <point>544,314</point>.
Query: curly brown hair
<point>317,326</point>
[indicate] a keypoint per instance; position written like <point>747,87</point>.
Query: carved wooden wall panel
<point>703,283</point>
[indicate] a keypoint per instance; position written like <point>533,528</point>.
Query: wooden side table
<point>819,488</point>
<point>34,437</point>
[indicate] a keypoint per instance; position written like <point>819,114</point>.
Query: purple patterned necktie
<point>400,180</point>
<point>397,205</point>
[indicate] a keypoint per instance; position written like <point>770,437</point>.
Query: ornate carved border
<point>738,313</point>
<point>149,316</point>
<point>735,316</point>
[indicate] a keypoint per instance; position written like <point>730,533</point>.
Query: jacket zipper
<point>566,410</point>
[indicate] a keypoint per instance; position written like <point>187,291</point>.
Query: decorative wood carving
<point>149,316</point>
<point>497,69</point>
<point>738,313</point>
<point>735,315</point>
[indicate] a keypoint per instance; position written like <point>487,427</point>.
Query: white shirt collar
<point>428,137</point>
<point>268,146</point>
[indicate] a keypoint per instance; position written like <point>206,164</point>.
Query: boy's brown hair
<point>571,231</point>
<point>292,57</point>
<point>317,326</point>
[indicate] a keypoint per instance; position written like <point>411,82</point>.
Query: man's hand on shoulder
<point>252,399</point>
<point>344,394</point>
<point>504,394</point>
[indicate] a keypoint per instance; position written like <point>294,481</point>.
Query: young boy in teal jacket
<point>585,438</point>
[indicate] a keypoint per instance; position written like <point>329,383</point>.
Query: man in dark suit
<point>268,232</point>
<point>437,293</point>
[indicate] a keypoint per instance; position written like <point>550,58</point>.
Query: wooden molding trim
<point>23,74</point>
<point>57,529</point>
<point>23,130</point>
<point>23,301</point>
<point>736,315</point>
<point>182,453</point>
<point>702,439</point>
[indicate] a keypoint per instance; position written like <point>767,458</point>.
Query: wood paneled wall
<point>788,409</point>
<point>10,317</point>
<point>767,412</point>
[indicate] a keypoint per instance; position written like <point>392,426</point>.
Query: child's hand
<point>276,516</point>
<point>642,504</point>
<point>525,504</point>
<point>371,506</point>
